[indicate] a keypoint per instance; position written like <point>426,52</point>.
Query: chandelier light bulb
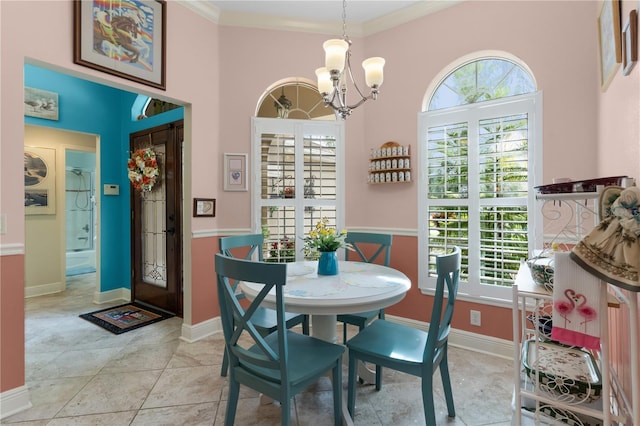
<point>335,51</point>
<point>324,80</point>
<point>373,71</point>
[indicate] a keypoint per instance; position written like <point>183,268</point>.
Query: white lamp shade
<point>334,54</point>
<point>373,71</point>
<point>324,80</point>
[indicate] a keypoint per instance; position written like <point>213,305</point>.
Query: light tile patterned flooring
<point>80,374</point>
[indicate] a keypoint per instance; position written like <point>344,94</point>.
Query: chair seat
<point>308,358</point>
<point>359,319</point>
<point>267,320</point>
<point>385,339</point>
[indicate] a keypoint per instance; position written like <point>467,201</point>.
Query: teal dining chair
<point>357,246</point>
<point>281,364</point>
<point>409,350</point>
<point>264,319</point>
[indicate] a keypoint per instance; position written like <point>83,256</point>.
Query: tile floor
<point>80,374</point>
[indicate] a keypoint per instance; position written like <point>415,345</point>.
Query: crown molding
<point>202,8</point>
<point>406,14</point>
<point>253,20</point>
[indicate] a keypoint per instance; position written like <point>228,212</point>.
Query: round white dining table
<point>358,287</point>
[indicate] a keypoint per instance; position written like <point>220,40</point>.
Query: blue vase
<point>328,263</point>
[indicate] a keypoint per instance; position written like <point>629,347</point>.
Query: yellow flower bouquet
<point>323,239</point>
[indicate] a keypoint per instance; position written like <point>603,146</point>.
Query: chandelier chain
<point>344,19</point>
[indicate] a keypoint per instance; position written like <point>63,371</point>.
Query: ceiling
<point>363,17</point>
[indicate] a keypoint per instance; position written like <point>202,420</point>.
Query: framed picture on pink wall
<point>630,43</point>
<point>235,172</point>
<point>124,38</point>
<point>609,41</point>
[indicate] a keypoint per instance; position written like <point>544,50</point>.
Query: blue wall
<point>93,108</point>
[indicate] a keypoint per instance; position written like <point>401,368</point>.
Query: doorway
<point>80,211</point>
<point>156,231</point>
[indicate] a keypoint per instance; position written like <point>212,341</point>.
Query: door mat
<point>127,317</point>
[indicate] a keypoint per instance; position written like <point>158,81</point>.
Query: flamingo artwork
<point>564,308</point>
<point>585,311</point>
<point>577,301</point>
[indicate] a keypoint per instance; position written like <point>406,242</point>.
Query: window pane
<point>503,157</point>
<point>447,162</point>
<point>279,230</point>
<point>503,243</point>
<point>481,80</point>
<point>277,169</point>
<point>319,167</point>
<point>448,227</point>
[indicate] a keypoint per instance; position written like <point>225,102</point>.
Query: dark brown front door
<point>156,232</point>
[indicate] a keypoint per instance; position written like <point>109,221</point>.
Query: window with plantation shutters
<point>479,163</point>
<point>299,172</point>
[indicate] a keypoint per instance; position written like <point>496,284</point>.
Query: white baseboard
<point>465,339</point>
<point>41,290</point>
<point>458,338</point>
<point>119,294</point>
<point>193,333</point>
<point>14,401</point>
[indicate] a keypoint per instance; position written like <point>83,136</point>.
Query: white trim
<point>458,338</point>
<point>203,8</point>
<point>14,401</point>
<point>465,339</point>
<point>41,290</point>
<point>193,333</point>
<point>11,249</point>
<point>119,294</point>
<point>206,233</point>
<point>373,26</point>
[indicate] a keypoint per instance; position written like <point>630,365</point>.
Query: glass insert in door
<point>154,256</point>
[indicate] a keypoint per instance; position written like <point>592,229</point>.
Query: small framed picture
<point>40,103</point>
<point>630,43</point>
<point>609,41</point>
<point>204,207</point>
<point>235,172</point>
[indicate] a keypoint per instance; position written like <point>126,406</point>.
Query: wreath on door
<point>143,169</point>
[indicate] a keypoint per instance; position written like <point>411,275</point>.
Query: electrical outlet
<point>475,318</point>
<point>3,223</point>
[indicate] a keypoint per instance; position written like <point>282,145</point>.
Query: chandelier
<point>332,78</point>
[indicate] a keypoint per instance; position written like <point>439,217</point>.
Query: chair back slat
<point>448,270</point>
<point>236,320</point>
<point>251,242</point>
<point>358,240</point>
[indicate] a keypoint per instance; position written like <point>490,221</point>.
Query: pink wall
<point>221,72</point>
<point>192,78</point>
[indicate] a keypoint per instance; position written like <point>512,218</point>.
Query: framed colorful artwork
<point>124,38</point>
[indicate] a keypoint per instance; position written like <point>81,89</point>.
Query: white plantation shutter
<point>477,176</point>
<point>299,169</point>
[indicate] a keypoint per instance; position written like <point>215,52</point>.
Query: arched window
<point>480,156</point>
<point>294,98</point>
<point>482,80</point>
